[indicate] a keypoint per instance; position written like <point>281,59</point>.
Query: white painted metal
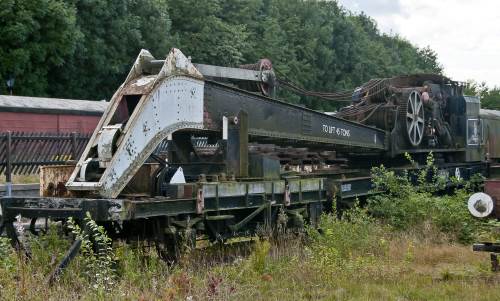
<point>224,128</point>
<point>176,104</point>
<point>178,177</point>
<point>173,101</point>
<point>228,72</point>
<point>106,139</point>
<point>83,169</point>
<point>480,204</point>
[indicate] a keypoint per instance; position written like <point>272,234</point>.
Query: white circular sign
<point>480,204</point>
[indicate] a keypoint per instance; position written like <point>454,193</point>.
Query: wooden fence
<point>24,153</point>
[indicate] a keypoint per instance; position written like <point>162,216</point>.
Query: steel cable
<point>341,96</point>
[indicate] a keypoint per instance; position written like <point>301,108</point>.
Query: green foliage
<point>35,38</point>
<point>7,256</point>
<point>97,254</point>
<point>113,33</point>
<point>355,234</point>
<point>401,213</point>
<point>77,48</point>
<point>490,97</point>
<point>393,185</point>
<point>139,265</point>
<point>429,180</point>
<point>259,256</point>
<point>84,48</point>
<point>405,206</point>
<point>450,214</point>
<point>47,248</point>
<point>200,31</point>
<point>429,60</point>
<point>410,253</point>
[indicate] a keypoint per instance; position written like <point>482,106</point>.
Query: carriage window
<point>473,131</point>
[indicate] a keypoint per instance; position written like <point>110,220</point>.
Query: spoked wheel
<point>413,111</point>
<point>262,65</point>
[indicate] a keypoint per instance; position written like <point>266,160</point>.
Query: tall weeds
<point>370,252</point>
<point>97,254</point>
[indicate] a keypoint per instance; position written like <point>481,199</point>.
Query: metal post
<point>243,137</point>
<point>8,169</point>
<point>73,146</point>
<point>237,146</point>
<point>72,252</point>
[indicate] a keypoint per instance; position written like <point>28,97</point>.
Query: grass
<point>406,244</point>
<point>358,258</point>
<point>22,179</point>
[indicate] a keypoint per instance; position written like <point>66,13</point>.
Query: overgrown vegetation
<point>405,244</point>
<point>97,254</point>
<point>404,206</point>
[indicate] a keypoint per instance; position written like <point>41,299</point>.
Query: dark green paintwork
<point>271,118</point>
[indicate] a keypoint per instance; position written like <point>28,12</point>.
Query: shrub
<point>390,184</point>
<point>404,206</point>
<point>450,215</point>
<point>354,234</point>
<point>97,254</point>
<point>47,248</point>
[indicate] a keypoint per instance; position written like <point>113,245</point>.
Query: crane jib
<point>271,118</point>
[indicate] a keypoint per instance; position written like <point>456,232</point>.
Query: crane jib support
<point>271,118</point>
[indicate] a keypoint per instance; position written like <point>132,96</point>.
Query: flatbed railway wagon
<point>187,150</point>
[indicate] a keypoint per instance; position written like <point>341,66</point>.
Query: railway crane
<point>185,150</point>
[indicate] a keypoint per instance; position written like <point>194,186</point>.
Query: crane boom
<point>148,108</point>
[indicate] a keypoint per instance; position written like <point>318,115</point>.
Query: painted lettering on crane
<point>332,130</point>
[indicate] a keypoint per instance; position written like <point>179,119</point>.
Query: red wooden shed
<point>49,115</point>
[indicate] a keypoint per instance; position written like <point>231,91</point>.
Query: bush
<point>450,215</point>
<point>47,249</point>
<point>354,234</point>
<point>404,206</point>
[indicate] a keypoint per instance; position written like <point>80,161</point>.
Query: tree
<point>314,43</point>
<point>200,32</point>
<point>490,98</point>
<point>428,60</point>
<point>474,88</point>
<point>113,34</point>
<point>35,36</point>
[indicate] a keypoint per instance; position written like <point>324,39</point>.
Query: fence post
<point>8,168</point>
<point>74,149</point>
